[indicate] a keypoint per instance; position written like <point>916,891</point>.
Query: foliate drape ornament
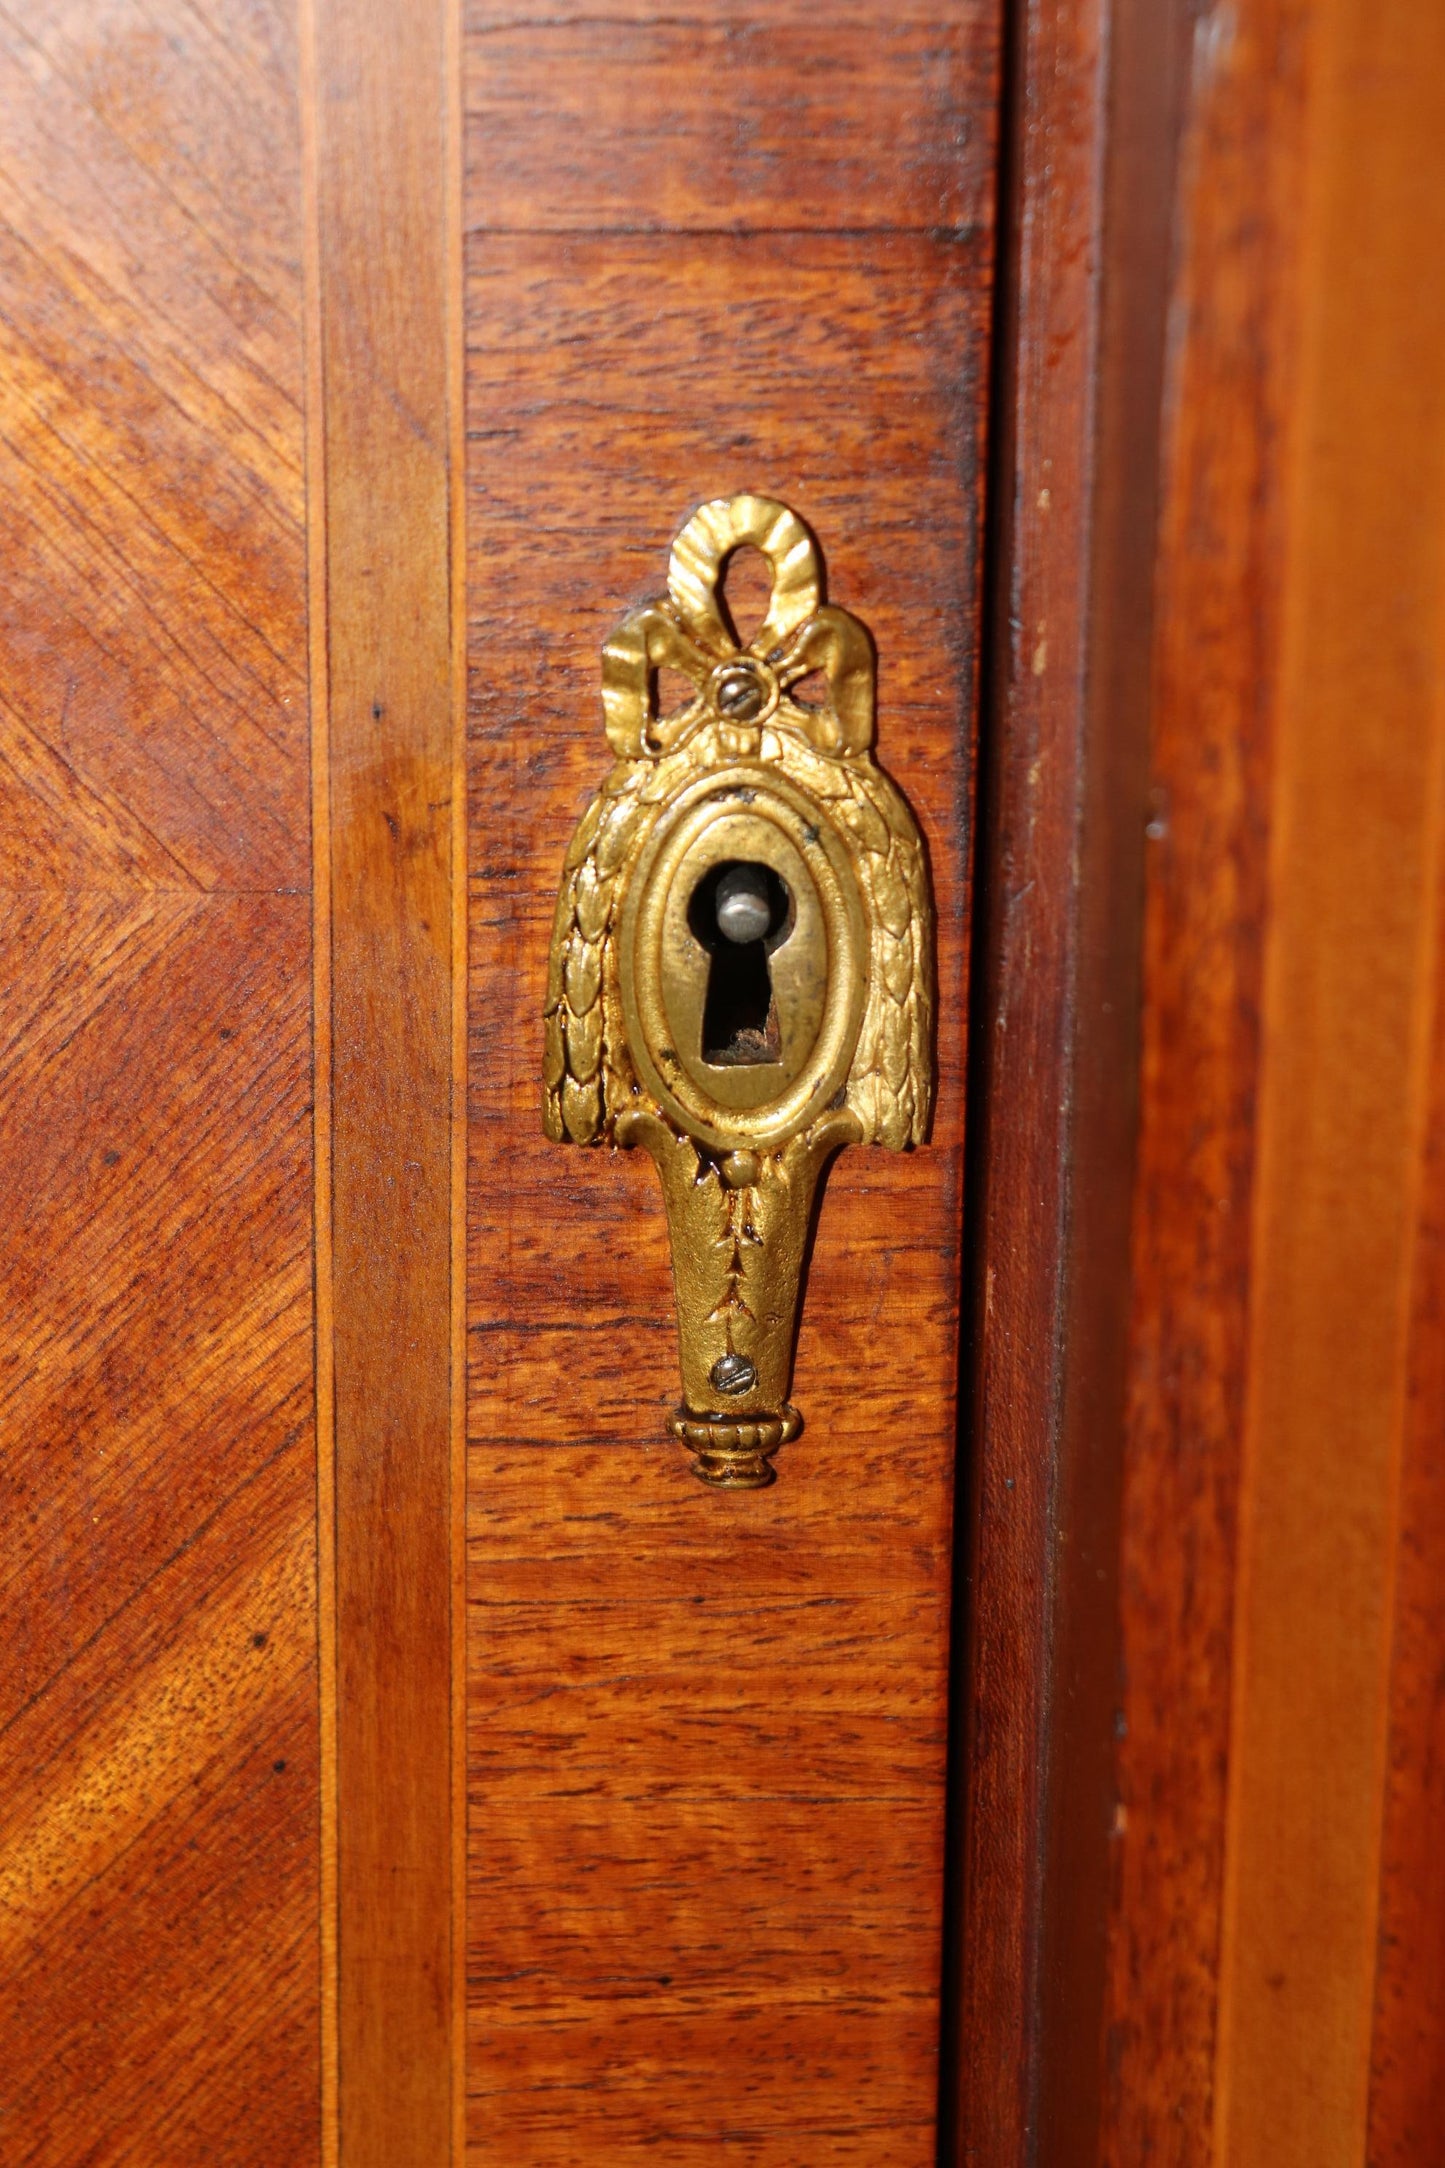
<point>741,973</point>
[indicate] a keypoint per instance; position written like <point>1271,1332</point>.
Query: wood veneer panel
<point>1025,1012</point>
<point>384,146</point>
<point>1289,982</point>
<point>1407,2075</point>
<point>158,1827</point>
<point>1217,631</point>
<point>704,1894</point>
<point>703,118</point>
<point>1089,171</point>
<point>1359,804</point>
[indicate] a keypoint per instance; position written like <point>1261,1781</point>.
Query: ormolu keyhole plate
<point>742,773</point>
<point>747,811</point>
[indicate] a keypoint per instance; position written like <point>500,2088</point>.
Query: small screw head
<point>732,1374</point>
<point>740,693</point>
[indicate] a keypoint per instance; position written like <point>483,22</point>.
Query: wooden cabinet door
<point>407,1759</point>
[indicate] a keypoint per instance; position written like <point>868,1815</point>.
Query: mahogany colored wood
<point>383,145</point>
<point>158,1823</point>
<point>1290,975</point>
<point>1041,459</point>
<point>1151,52</point>
<point>695,1811</point>
<point>1407,2076</point>
<point>1088,179</point>
<point>706,1730</point>
<point>1351,987</point>
<point>1216,629</point>
<point>687,120</point>
<point>1289,980</point>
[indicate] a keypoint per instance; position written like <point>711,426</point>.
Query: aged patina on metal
<point>741,973</point>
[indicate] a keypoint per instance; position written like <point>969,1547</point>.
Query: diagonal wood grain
<point>150,466</point>
<point>158,1773</point>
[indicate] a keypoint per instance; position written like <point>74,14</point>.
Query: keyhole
<point>740,912</point>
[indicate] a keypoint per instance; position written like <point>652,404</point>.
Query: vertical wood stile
<point>388,662</point>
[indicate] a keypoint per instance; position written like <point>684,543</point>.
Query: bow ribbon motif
<point>740,688</point>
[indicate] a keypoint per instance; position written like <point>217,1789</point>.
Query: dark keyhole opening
<point>740,1016</point>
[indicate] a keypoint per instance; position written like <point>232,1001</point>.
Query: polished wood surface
<point>1351,990</point>
<point>617,1829</point>
<point>1407,2049</point>
<point>1229,1590</point>
<point>1220,572</point>
<point>388,841</point>
<point>1266,1957</point>
<point>158,1817</point>
<point>706,1729</point>
<point>749,119</point>
<point>1086,255</point>
<point>1025,1024</point>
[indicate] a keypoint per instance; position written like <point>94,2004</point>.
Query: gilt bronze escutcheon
<point>741,974</point>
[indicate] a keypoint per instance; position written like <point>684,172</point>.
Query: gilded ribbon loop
<point>651,639</point>
<point>687,631</point>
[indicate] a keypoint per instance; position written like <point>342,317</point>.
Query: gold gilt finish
<point>741,1059</point>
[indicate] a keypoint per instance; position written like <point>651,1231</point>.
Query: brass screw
<point>732,1374</point>
<point>740,694</point>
